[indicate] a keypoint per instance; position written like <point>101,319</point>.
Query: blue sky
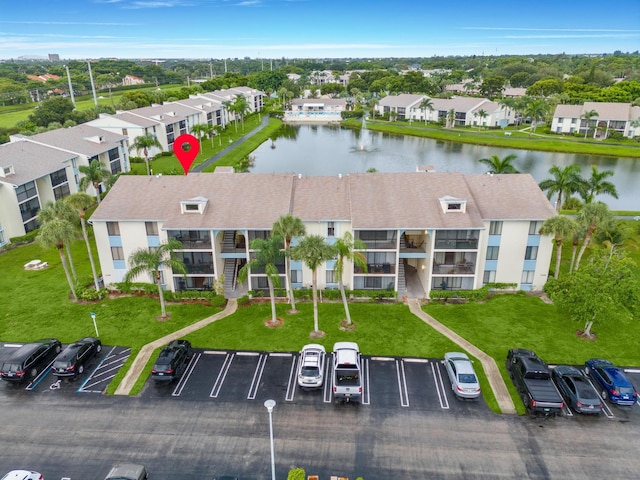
<point>314,28</point>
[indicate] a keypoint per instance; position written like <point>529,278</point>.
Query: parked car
<point>347,381</point>
<point>30,359</point>
<point>612,381</point>
<point>464,381</point>
<point>311,368</point>
<point>577,390</point>
<point>22,475</point>
<point>532,378</point>
<point>72,360</point>
<point>172,361</point>
<point>127,471</point>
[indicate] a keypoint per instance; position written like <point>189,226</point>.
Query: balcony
<point>377,268</point>
<point>466,268</point>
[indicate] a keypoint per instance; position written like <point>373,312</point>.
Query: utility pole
<point>93,86</point>
<point>225,65</point>
<point>73,100</point>
<point>210,69</point>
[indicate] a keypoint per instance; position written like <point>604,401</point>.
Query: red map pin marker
<point>186,155</point>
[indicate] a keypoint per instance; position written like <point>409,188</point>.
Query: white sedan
<point>22,475</point>
<point>311,368</point>
<point>464,381</point>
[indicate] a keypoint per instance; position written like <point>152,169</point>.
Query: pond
<point>332,150</point>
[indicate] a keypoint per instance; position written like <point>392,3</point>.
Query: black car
<point>30,359</point>
<point>172,361</point>
<point>576,388</point>
<point>72,360</point>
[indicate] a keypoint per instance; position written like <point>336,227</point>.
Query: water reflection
<point>332,149</point>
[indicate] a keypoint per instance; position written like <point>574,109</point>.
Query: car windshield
<point>468,378</point>
<point>161,366</point>
<point>61,364</point>
<point>626,391</point>
<point>309,371</point>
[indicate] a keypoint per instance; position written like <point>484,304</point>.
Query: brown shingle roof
<point>321,198</point>
<point>31,161</point>
<point>509,197</point>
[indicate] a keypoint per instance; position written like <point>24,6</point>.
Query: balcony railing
<point>377,268</point>
<point>467,268</point>
<point>450,244</point>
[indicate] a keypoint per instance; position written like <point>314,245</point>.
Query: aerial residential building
<point>610,117</point>
<point>428,230</point>
<point>132,80</point>
<point>315,110</point>
<point>31,175</point>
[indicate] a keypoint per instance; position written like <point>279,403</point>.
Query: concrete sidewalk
<point>488,363</point>
<point>145,352</point>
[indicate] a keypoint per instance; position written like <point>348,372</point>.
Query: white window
<point>492,253</point>
<point>531,253</point>
<point>495,228</point>
<point>534,227</point>
<point>331,276</point>
<point>527,277</point>
<point>331,229</point>
<point>489,276</point>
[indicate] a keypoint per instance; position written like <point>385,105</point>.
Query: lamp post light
<point>95,325</point>
<point>270,404</point>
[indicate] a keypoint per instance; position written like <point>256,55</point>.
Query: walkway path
<point>488,363</point>
<point>145,352</point>
<point>209,161</point>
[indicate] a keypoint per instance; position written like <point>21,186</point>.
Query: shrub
<point>244,301</point>
<point>90,294</point>
<point>296,474</point>
<point>28,238</point>
<point>136,160</point>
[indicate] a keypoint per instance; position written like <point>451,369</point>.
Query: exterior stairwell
<point>228,243</point>
<point>229,276</point>
<point>402,283</point>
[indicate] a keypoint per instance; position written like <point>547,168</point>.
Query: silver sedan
<point>464,381</point>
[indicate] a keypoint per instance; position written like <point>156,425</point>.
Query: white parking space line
<point>280,354</point>
<point>214,352</point>
<point>366,400</point>
<point>327,387</point>
<point>382,359</point>
<point>215,391</point>
<point>34,383</point>
<point>12,345</point>
<point>402,384</point>
<point>415,360</point>
<point>631,370</point>
<point>257,375</point>
<point>291,386</point>
<point>248,354</point>
<point>84,387</point>
<point>566,410</point>
<point>437,377</point>
<point>185,377</point>
<point>605,408</point>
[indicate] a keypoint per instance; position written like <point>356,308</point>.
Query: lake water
<point>332,149</point>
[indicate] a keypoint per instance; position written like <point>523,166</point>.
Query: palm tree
<point>230,107</point>
<point>151,262</point>
<point>496,165</point>
<point>482,114</point>
<point>56,233</point>
<point>451,118</point>
<point>373,102</point>
<point>267,253</point>
<point>200,131</point>
<point>313,251</point>
<point>596,185</point>
<point>219,129</point>
<point>591,217</point>
<point>587,116</point>
<point>565,181</point>
<point>94,174</point>
<point>536,109</point>
<point>61,210</point>
<point>346,251</point>
<point>142,144</point>
<point>426,104</point>
<point>80,202</point>
<point>560,227</point>
<point>287,227</point>
<point>241,107</point>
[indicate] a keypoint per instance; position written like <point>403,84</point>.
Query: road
<point>80,437</point>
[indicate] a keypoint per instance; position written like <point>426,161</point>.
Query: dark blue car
<point>612,380</point>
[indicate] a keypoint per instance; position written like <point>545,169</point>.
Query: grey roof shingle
<point>31,161</point>
<point>80,139</point>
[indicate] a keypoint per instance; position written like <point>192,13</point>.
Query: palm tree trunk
<point>287,266</point>
<point>71,264</point>
<point>163,308</point>
<point>146,161</point>
<point>86,241</point>
<point>344,301</point>
<point>272,295</point>
<point>574,249</point>
<point>587,328</point>
<point>558,256</point>
<point>583,247</point>
<point>314,291</point>
<point>96,186</point>
<point>63,259</point>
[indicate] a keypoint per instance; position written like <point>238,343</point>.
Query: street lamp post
<point>270,404</point>
<point>95,325</point>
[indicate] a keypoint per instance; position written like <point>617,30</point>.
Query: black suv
<point>172,361</point>
<point>30,359</point>
<point>72,360</point>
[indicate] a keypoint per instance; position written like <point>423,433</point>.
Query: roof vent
<point>8,170</point>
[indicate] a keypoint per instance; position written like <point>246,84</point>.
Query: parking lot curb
<point>145,352</point>
<point>488,363</point>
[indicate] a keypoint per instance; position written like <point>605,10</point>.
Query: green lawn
<point>496,138</point>
<point>170,165</point>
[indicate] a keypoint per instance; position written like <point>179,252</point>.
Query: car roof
<point>312,347</point>
<point>568,370</point>
<point>345,345</point>
<point>126,470</point>
<point>17,474</point>
<point>69,351</point>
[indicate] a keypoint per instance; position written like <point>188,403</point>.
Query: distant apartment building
<point>132,80</point>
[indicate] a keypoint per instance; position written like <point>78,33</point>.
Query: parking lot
<point>246,376</point>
